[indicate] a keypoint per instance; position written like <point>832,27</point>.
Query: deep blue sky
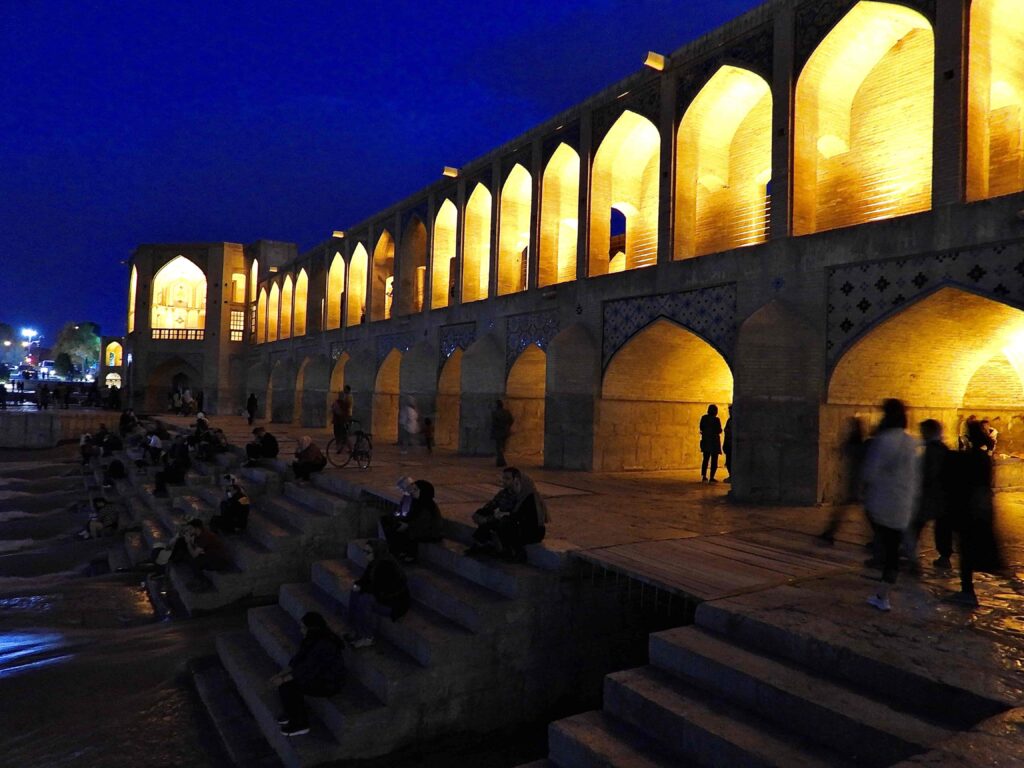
<point>123,123</point>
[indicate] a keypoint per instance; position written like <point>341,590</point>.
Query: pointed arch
<point>412,267</point>
<point>179,296</point>
<point>287,295</point>
<point>356,304</point>
<point>112,354</point>
<point>449,396</point>
<point>559,217</point>
<point>442,275</point>
<point>273,312</point>
<point>476,246</point>
<point>625,178</point>
<point>514,231</point>
<point>301,301</point>
<point>863,120</point>
<point>386,390</point>
<point>335,292</point>
<point>254,274</point>
<point>133,287</point>
<point>724,165</point>
<point>261,317</point>
<point>524,397</point>
<point>383,282</point>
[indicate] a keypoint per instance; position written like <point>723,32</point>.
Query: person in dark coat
<point>525,524</point>
<point>931,504</point>
<point>417,520</point>
<point>710,444</point>
<point>176,465</point>
<point>317,669</point>
<point>381,591</point>
<point>234,509</point>
<point>263,446</point>
<point>501,429</point>
<point>251,406</point>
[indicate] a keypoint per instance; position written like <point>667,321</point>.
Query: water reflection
<point>22,651</point>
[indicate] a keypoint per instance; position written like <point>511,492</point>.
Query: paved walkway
<point>667,529</point>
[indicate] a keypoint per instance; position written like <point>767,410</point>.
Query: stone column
<point>783,90</point>
<point>586,162</point>
<point>949,162</point>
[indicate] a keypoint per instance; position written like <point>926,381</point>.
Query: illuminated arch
<point>356,312</point>
<point>625,179</point>
<point>386,391</point>
<point>113,380</point>
<point>261,317</point>
<point>449,396</point>
<point>514,231</point>
<point>443,261</point>
<point>133,286</point>
<point>724,165</point>
<point>335,291</point>
<point>254,274</point>
<point>559,217</point>
<point>863,124</point>
<point>654,391</point>
<point>179,296</point>
<point>476,245</point>
<point>412,267</point>
<point>995,92</point>
<point>301,300</point>
<point>524,397</point>
<point>286,309</point>
<point>273,313</point>
<point>383,283</point>
<point>112,355</point>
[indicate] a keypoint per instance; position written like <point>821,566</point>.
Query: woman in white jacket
<point>892,479</point>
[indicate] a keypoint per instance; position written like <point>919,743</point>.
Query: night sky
<point>125,123</point>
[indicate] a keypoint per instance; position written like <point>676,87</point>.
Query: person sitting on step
<point>489,517</point>
<point>263,446</point>
<point>234,509</point>
<point>308,459</point>
<point>526,523</point>
<point>176,466</point>
<point>202,550</point>
<point>417,519</point>
<point>317,669</point>
<point>382,590</point>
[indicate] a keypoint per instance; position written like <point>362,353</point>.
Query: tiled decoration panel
<point>389,341</point>
<point>452,337</point>
<point>862,295</point>
<point>708,312</point>
<point>523,330</point>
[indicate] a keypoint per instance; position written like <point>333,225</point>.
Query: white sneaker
<point>881,603</point>
<point>362,642</point>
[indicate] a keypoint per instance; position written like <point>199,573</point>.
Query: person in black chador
<point>382,590</point>
<point>263,446</point>
<point>417,519</point>
<point>318,669</point>
<point>710,444</point>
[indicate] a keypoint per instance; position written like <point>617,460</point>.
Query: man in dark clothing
<point>710,444</point>
<point>234,509</point>
<point>264,446</point>
<point>250,407</point>
<point>176,465</point>
<point>318,669</point>
<point>501,429</point>
<point>525,524</point>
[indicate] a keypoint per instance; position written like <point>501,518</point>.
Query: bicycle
<point>358,445</point>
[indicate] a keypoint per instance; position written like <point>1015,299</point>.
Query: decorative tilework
<point>388,341</point>
<point>523,330</point>
<point>338,348</point>
<point>708,312</point>
<point>862,295</point>
<point>452,337</point>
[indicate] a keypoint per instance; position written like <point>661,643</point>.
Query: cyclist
<point>341,417</point>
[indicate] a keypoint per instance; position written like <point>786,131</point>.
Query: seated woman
<point>525,524</point>
<point>308,459</point>
<point>381,591</point>
<point>202,550</point>
<point>416,520</point>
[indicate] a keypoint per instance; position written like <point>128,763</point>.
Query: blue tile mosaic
<point>523,330</point>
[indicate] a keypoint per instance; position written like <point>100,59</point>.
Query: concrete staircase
<point>735,692</point>
<point>480,648</point>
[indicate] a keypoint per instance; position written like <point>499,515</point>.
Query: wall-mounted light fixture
<point>451,173</point>
<point>655,61</point>
<point>337,233</point>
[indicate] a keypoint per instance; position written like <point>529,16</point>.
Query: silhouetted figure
<point>710,444</point>
<point>341,416</point>
<point>308,459</point>
<point>525,524</point>
<point>263,446</point>
<point>3,397</point>
<point>251,406</point>
<point>852,450</point>
<point>382,590</point>
<point>892,481</point>
<point>234,509</point>
<point>428,434</point>
<point>317,669</point>
<point>501,429</point>
<point>931,504</point>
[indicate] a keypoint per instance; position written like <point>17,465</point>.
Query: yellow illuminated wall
<point>476,245</point>
<point>385,398</point>
<point>179,296</point>
<point>273,312</point>
<point>724,164</point>
<point>113,354</point>
<point>383,273</point>
<point>356,313</point>
<point>863,125</point>
<point>254,275</point>
<point>559,217</point>
<point>286,309</point>
<point>625,177</point>
<point>514,231</point>
<point>412,259</point>
<point>261,317</point>
<point>301,298</point>
<point>443,260</point>
<point>449,395</point>
<point>133,286</point>
<point>524,397</point>
<point>335,289</point>
<point>995,109</point>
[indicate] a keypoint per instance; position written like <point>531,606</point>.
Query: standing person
<point>3,397</point>
<point>727,445</point>
<point>308,459</point>
<point>428,434</point>
<point>409,424</point>
<point>317,669</point>
<point>710,444</point>
<point>341,417</point>
<point>892,481</point>
<point>501,429</point>
<point>972,512</point>
<point>382,590</point>
<point>176,401</point>
<point>250,407</point>
<point>852,454</point>
<point>932,501</point>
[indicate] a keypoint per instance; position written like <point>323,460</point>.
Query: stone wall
<point>45,429</point>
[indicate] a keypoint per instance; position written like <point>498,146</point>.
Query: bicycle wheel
<point>365,452</point>
<point>339,454</point>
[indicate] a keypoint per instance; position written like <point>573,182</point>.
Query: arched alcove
<point>133,287</point>
<point>442,277</point>
<point>178,303</point>
<point>413,267</point>
<point>301,302</point>
<point>476,246</point>
<point>449,395</point>
<point>514,231</point>
<point>386,390</point>
<point>112,354</point>
<point>356,312</point>
<point>559,217</point>
<point>383,282</point>
<point>287,297</point>
<point>261,317</point>
<point>164,378</point>
<point>525,398</point>
<point>335,292</point>
<point>273,313</point>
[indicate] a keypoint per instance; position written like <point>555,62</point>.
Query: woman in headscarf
<point>527,520</point>
<point>317,669</point>
<point>381,591</point>
<point>422,522</point>
<point>308,459</point>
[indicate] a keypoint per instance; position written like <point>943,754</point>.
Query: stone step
<point>309,496</point>
<point>427,636</point>
<point>135,548</point>
<point>345,726</point>
<point>262,478</point>
<point>817,708</point>
<point>595,740</point>
<point>289,512</point>
<point>550,554</point>
<point>382,669</point>
<point>477,609</point>
<point>509,579</point>
<point>545,763</point>
<point>703,730</point>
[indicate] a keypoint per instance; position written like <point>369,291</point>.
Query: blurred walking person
<point>932,501</point>
<point>852,449</point>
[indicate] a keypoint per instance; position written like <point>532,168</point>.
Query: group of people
<point>60,396</point>
<point>309,459</point>
<point>906,483</point>
<point>182,402</point>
